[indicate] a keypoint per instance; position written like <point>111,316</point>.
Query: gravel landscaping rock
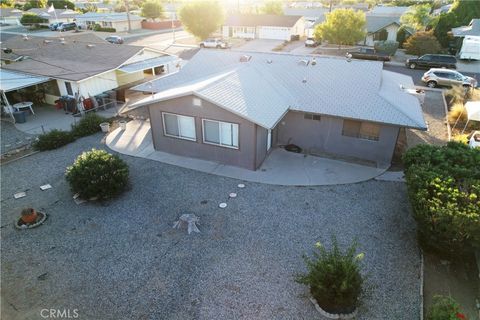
<point>122,259</point>
<point>12,138</point>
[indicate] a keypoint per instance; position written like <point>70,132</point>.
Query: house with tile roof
<point>82,64</point>
<point>263,26</point>
<point>233,107</point>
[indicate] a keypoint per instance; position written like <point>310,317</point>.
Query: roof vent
<point>269,61</point>
<point>304,80</point>
<point>245,58</point>
<point>314,61</point>
<point>25,36</point>
<point>89,46</point>
<point>304,62</point>
<point>47,41</point>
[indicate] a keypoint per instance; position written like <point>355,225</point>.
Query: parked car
<point>369,54</point>
<point>445,77</point>
<point>114,39</point>
<point>214,43</point>
<point>54,26</point>
<point>428,61</point>
<point>311,42</point>
<point>67,26</point>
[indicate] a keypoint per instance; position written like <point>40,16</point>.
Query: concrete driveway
<point>259,45</point>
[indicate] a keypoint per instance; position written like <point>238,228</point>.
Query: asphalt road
<point>417,74</point>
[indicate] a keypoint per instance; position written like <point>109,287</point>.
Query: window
<point>178,126</point>
<point>311,116</point>
<point>224,134</point>
<point>362,130</point>
<point>68,86</point>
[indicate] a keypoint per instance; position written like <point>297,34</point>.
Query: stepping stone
<point>222,205</point>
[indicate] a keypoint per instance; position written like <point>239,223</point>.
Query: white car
<point>445,77</point>
<point>214,43</point>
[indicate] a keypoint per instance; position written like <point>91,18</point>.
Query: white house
<point>116,20</point>
<point>59,15</point>
<point>264,27</point>
<point>10,16</point>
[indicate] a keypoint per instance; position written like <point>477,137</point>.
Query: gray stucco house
<point>233,107</point>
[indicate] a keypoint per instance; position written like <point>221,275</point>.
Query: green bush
<point>98,27</point>
<point>97,174</point>
<point>53,140</point>
<point>444,308</point>
<point>444,190</point>
<point>88,125</point>
<point>30,18</point>
<point>334,278</point>
<point>389,47</point>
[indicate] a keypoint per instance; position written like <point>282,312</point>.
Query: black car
<point>369,54</point>
<point>428,61</point>
<point>67,26</point>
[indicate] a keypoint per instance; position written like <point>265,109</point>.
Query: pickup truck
<point>369,54</point>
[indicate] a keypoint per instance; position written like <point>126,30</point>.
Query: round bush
<point>53,140</point>
<point>97,174</point>
<point>88,125</point>
<point>444,308</point>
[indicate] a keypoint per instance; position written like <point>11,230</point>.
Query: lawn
<point>122,259</point>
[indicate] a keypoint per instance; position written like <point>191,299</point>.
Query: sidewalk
<point>279,168</point>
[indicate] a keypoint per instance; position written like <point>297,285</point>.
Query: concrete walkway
<point>280,167</point>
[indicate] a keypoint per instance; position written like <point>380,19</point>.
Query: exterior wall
<point>125,78</point>
<point>326,136</point>
<point>274,33</point>
<point>299,28</point>
<point>63,88</point>
<point>147,54</point>
<point>237,33</point>
<point>123,25</point>
<point>392,31</point>
<point>160,25</point>
<point>261,145</point>
<point>244,156</point>
<point>369,40</point>
<point>98,84</point>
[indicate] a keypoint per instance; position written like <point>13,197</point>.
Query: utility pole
<point>173,16</point>
<point>127,8</point>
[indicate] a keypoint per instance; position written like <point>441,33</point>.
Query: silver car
<point>445,77</point>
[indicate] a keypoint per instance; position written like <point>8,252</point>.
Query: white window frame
<point>220,134</point>
<point>179,127</point>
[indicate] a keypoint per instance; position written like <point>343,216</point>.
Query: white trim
<point>178,123</point>
<point>220,134</point>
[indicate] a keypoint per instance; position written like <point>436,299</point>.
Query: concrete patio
<point>280,167</point>
<point>47,118</point>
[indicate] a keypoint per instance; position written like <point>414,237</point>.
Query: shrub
<point>444,190</point>
<point>402,36</point>
<point>30,18</point>
<point>457,111</point>
<point>422,43</point>
<point>88,125</point>
<point>389,47</point>
<point>99,174</point>
<point>98,27</point>
<point>444,308</point>
<point>53,140</point>
<point>334,278</point>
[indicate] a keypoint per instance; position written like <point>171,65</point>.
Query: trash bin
<point>20,116</point>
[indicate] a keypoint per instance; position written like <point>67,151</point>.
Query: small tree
<point>342,27</point>
<point>402,36</point>
<point>34,4</point>
<point>389,47</point>
<point>61,4</point>
<point>422,43</point>
<point>201,18</point>
<point>272,7</point>
<point>417,17</point>
<point>152,9</point>
<point>32,19</point>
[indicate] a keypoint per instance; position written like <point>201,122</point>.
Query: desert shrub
<point>457,111</point>
<point>98,174</point>
<point>444,308</point>
<point>444,190</point>
<point>88,125</point>
<point>53,140</point>
<point>334,278</point>
<point>389,47</point>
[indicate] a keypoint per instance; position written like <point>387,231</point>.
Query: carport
<point>11,81</point>
<point>150,64</point>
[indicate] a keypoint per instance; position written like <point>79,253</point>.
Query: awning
<point>473,110</point>
<point>147,64</point>
<point>10,80</point>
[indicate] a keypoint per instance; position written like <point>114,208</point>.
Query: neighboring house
<point>442,9</point>
<point>275,27</point>
<point>10,16</point>
<point>233,107</point>
<point>473,29</point>
<point>60,15</point>
<point>388,11</point>
<point>312,17</point>
<point>467,40</point>
<point>83,64</point>
<point>101,7</point>
<point>382,28</point>
<point>116,20</point>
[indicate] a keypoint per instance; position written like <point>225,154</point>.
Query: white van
<point>470,48</point>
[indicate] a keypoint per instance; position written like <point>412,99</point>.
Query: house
<point>473,29</point>
<point>263,26</point>
<point>84,64</point>
<point>381,28</point>
<point>233,107</point>
<point>467,40</point>
<point>116,20</point>
<point>388,11</point>
<point>59,15</point>
<point>10,16</point>
<point>312,16</point>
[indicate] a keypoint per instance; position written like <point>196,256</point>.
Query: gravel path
<point>12,138</point>
<point>123,260</point>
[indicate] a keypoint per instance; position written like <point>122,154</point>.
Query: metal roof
<point>147,64</point>
<point>473,29</point>
<point>256,20</point>
<point>263,88</point>
<point>10,80</point>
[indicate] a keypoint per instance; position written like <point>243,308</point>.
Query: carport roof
<point>11,80</point>
<point>269,84</point>
<point>147,64</point>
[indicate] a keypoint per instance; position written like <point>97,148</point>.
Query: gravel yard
<point>123,260</point>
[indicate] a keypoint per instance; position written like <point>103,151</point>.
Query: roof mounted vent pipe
<point>245,58</point>
<point>349,57</point>
<point>47,41</point>
<point>269,61</point>
<point>25,36</point>
<point>304,80</point>
<point>89,46</point>
<point>314,61</point>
